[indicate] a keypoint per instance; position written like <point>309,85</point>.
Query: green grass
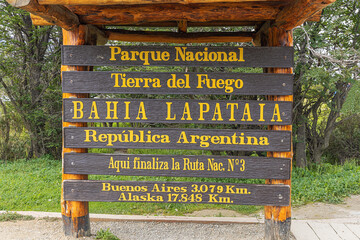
<point>325,183</point>
<point>9,216</point>
<point>106,235</point>
<point>35,185</point>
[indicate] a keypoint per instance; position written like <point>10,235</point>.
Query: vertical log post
<point>278,219</point>
<point>75,214</point>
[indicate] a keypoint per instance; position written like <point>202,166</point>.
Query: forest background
<point>326,113</point>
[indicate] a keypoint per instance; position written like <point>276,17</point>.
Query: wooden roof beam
<point>39,21</point>
<point>173,37</point>
<point>142,14</point>
<point>134,2</point>
<point>300,11</point>
<point>58,15</point>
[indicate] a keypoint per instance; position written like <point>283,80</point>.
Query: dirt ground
<point>49,228</point>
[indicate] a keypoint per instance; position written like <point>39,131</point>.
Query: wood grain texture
<point>178,56</point>
<point>169,138</point>
<point>75,214</point>
<point>38,21</point>
<point>177,166</point>
<point>299,11</point>
<point>182,37</point>
<point>278,219</point>
<point>136,2</point>
<point>176,192</point>
<point>177,111</point>
<point>139,14</point>
<point>252,83</point>
<point>58,15</point>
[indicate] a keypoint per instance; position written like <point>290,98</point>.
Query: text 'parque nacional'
<point>178,55</point>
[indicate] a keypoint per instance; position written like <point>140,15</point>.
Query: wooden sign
<point>177,83</point>
<point>167,138</point>
<point>177,111</point>
<point>176,192</point>
<point>177,166</point>
<point>178,56</point>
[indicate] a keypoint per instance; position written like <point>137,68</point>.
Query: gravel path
<point>41,229</point>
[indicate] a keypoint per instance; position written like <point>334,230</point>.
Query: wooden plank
<point>168,138</point>
<point>176,192</point>
<point>343,231</point>
<point>178,56</point>
<point>177,111</point>
<point>354,228</point>
<point>324,231</point>
<point>171,83</point>
<point>182,37</point>
<point>58,15</point>
<point>157,13</point>
<point>176,165</point>
<point>302,231</point>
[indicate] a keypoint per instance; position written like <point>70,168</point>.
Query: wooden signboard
<point>176,192</point>
<point>178,83</point>
<point>177,111</point>
<point>177,165</point>
<point>167,138</point>
<point>178,56</point>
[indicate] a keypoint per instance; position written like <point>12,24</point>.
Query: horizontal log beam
<point>38,21</point>
<point>142,14</point>
<point>300,11</point>
<point>133,2</point>
<point>57,15</point>
<point>172,37</point>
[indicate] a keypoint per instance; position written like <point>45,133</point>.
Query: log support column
<point>75,215</point>
<point>278,219</point>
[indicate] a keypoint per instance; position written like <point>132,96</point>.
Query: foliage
<point>327,65</point>
<point>30,83</point>
<point>10,216</point>
<point>105,235</point>
<point>345,142</point>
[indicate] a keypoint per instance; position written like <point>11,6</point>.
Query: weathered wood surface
<point>178,56</point>
<point>75,214</point>
<point>278,219</point>
<point>168,138</point>
<point>133,2</point>
<point>58,15</point>
<point>297,12</point>
<point>181,37</point>
<point>206,12</point>
<point>249,83</point>
<point>177,166</point>
<point>177,111</point>
<point>177,192</point>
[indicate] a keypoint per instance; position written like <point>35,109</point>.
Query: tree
<point>30,77</point>
<point>328,57</point>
